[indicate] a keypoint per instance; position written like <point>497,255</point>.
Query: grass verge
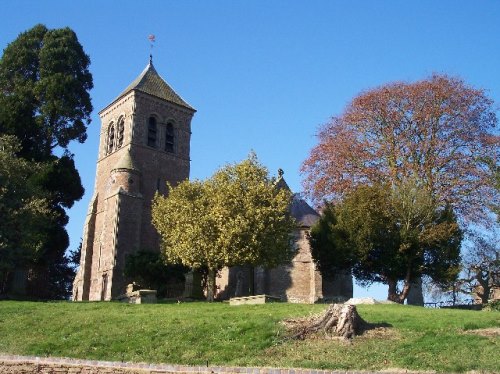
<point>194,333</point>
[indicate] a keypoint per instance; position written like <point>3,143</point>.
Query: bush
<point>493,305</point>
<point>149,270</point>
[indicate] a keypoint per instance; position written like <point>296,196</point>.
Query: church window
<point>120,130</point>
<point>169,138</point>
<point>152,132</point>
<point>111,139</point>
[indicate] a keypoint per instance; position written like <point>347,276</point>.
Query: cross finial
<point>280,172</point>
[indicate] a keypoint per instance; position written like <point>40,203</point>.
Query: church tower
<point>144,143</point>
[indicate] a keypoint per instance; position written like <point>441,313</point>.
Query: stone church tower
<point>144,143</point>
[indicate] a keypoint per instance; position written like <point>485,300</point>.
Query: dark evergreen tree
<point>329,244</point>
<point>45,103</point>
<point>24,212</point>
<point>388,236</point>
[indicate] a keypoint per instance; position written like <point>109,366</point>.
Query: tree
<point>330,243</point>
<point>482,269</point>
<point>438,131</point>
<point>44,102</point>
<point>44,84</point>
<point>495,181</point>
<point>387,237</point>
<point>237,217</point>
<point>24,210</point>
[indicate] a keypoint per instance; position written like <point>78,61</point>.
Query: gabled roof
<point>281,184</point>
<point>303,213</point>
<point>150,82</point>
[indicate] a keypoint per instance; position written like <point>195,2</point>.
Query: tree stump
<point>338,320</point>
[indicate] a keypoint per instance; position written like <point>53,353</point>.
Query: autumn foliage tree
<point>237,217</point>
<point>438,135</point>
<point>439,132</point>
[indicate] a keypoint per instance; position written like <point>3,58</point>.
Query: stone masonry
<point>53,365</point>
<point>144,143</point>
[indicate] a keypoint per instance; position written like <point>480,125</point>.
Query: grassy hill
<point>194,333</point>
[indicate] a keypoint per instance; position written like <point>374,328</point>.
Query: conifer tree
<point>45,103</point>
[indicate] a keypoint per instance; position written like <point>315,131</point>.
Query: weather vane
<point>152,39</point>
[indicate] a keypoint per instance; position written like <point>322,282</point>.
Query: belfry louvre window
<point>111,139</point>
<point>169,138</point>
<point>152,132</point>
<point>120,128</point>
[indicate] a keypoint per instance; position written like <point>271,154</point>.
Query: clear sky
<point>263,75</point>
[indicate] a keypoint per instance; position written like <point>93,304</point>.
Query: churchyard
<point>198,333</point>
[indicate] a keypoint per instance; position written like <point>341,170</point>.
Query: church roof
<point>281,184</point>
<point>303,213</point>
<point>150,82</point>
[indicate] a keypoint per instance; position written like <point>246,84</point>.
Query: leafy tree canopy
<point>237,217</point>
<point>45,103</point>
<point>388,236</point>
<point>44,84</point>
<point>439,132</point>
<point>24,210</point>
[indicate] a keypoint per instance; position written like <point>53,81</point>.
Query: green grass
<point>194,333</point>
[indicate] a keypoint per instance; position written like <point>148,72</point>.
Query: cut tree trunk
<point>338,320</point>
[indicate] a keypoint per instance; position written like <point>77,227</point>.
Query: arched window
<point>111,138</point>
<point>169,138</point>
<point>152,132</point>
<point>120,128</point>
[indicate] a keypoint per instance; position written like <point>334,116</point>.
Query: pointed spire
<point>150,82</point>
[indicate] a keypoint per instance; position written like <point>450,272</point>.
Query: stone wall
<point>296,282</point>
<point>49,365</point>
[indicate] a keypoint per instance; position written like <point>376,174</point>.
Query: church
<point>145,143</point>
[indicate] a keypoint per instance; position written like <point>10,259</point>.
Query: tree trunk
<point>338,320</point>
<point>211,285</point>
<point>394,295</point>
<point>483,280</point>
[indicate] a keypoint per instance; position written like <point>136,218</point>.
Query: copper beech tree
<point>432,144</point>
<point>439,132</point>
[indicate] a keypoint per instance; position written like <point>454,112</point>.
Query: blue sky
<point>264,75</point>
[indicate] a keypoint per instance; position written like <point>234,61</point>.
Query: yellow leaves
<point>235,217</point>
